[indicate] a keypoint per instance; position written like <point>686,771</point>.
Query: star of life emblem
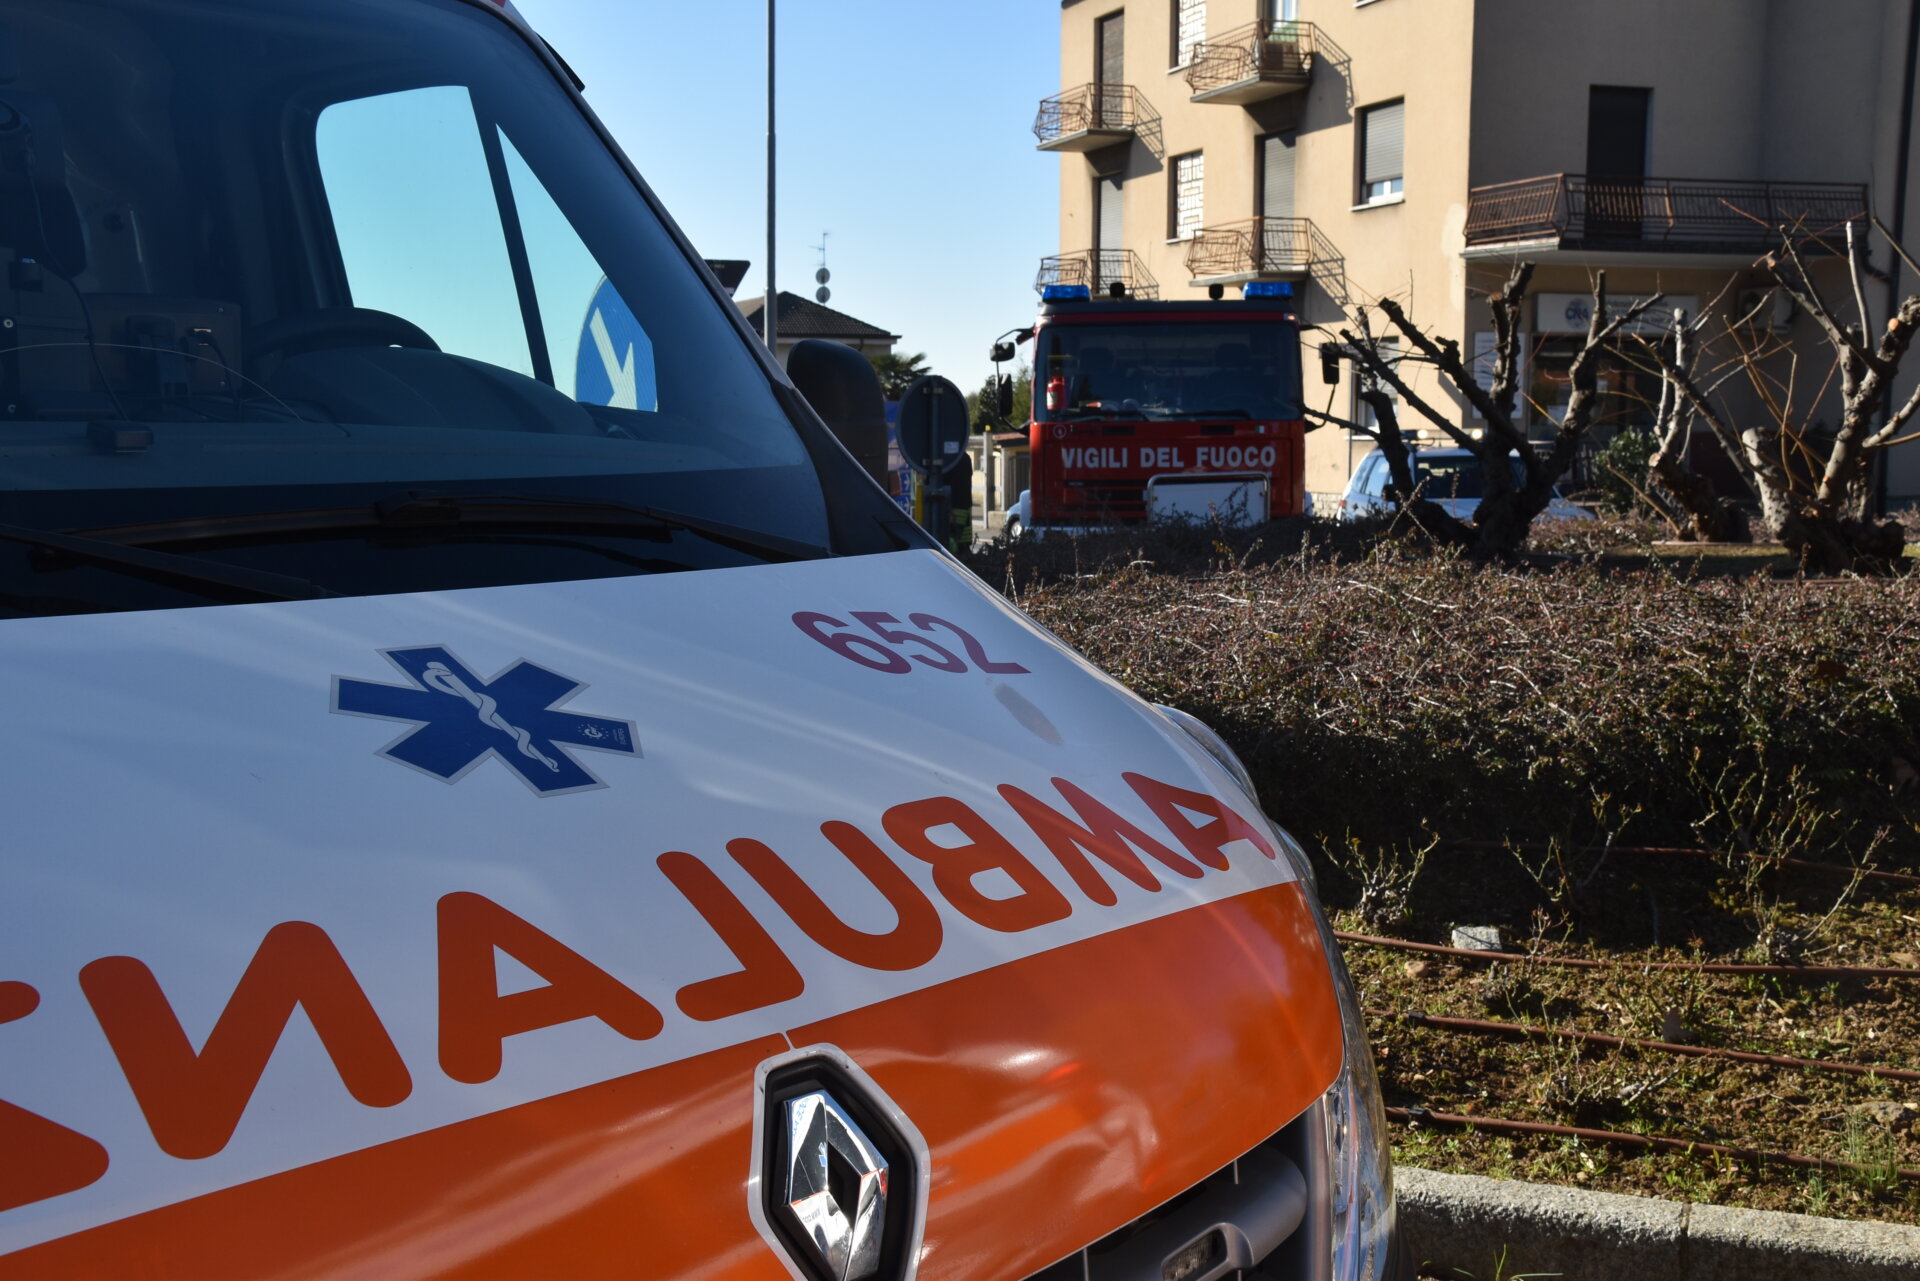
<point>461,719</point>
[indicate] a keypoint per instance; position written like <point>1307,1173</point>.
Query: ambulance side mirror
<point>1003,395</point>
<point>843,388</point>
<point>1002,352</point>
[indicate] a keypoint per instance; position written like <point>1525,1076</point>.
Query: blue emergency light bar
<point>1267,289</point>
<point>1066,293</point>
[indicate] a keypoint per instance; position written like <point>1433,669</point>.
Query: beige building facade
<point>1419,148</point>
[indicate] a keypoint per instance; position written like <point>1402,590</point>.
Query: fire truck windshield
<point>1132,368</point>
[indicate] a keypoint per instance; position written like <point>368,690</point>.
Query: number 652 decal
<point>898,649</point>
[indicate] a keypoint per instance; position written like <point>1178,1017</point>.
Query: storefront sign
<point>1570,313</point>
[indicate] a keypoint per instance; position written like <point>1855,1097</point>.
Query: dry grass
<point>1383,700</point>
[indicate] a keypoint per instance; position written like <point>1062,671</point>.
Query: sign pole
<point>937,520</point>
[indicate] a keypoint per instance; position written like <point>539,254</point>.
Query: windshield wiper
<point>420,511</point>
<point>548,509</point>
<point>209,578</point>
<point>1214,413</point>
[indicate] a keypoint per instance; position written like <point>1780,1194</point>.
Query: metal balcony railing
<point>1257,247</point>
<point>1099,270</point>
<point>1090,116</point>
<point>1260,60</point>
<point>1662,214</point>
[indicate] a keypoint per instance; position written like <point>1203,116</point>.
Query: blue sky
<point>904,131</point>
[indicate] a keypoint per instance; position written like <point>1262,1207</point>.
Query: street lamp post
<point>769,313</point>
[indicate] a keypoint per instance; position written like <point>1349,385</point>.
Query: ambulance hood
<point>410,934</point>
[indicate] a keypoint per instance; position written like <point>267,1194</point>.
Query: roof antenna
<point>822,276</point>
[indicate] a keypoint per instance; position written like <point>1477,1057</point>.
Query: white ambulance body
<point>494,790</point>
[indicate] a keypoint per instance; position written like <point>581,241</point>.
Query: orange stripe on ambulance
<point>193,1100</point>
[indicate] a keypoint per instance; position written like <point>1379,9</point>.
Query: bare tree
<point>1510,503</point>
<point>1815,493</point>
<point>1711,517</point>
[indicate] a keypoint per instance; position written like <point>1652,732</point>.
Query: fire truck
<point>1148,410</point>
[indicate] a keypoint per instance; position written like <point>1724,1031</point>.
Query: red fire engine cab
<point>1145,410</point>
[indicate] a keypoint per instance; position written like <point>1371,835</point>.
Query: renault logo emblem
<point>833,1187</point>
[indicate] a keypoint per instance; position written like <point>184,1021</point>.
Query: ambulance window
<point>416,220</point>
<point>599,352</point>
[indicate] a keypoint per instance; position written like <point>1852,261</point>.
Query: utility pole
<point>769,313</point>
<point>1897,233</point>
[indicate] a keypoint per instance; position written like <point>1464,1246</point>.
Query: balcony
<point>1570,213</point>
<point>1099,270</point>
<point>1258,61</point>
<point>1262,249</point>
<point>1091,117</point>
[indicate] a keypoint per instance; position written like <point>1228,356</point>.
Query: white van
<point>494,789</point>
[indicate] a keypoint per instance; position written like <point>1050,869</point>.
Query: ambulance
<point>495,789</point>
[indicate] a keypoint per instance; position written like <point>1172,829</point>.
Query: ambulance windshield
<point>349,293</point>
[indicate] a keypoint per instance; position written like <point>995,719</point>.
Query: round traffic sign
<point>933,424</point>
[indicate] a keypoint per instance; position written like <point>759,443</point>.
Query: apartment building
<point>1418,148</point>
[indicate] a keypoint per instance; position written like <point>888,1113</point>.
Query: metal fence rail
<point>1671,213</point>
<point>1265,50</point>
<point>1096,107</point>
<point>1257,246</point>
<point>1098,270</point>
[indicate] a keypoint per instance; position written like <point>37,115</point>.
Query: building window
<point>1185,206</point>
<point>1189,29</point>
<point>1382,152</point>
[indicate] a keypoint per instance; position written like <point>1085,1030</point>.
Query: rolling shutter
<point>1106,199</point>
<point>1385,143</point>
<point>1276,175</point>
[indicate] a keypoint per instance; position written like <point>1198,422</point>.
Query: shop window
<point>1629,396</point>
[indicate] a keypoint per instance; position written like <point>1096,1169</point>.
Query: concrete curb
<point>1462,1221</point>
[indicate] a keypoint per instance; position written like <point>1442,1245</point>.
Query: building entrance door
<point>1616,161</point>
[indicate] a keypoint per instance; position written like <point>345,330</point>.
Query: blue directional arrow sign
<point>615,361</point>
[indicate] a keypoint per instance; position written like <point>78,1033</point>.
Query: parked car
<point>496,789</point>
<point>1453,478</point>
<point>1020,515</point>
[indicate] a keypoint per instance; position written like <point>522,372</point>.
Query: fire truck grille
<point>1095,503</point>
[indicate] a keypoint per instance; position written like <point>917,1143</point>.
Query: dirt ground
<point>1864,1121</point>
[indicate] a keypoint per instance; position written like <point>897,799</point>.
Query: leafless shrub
<point>1385,696</point>
<point>1814,486</point>
<point>1510,504</point>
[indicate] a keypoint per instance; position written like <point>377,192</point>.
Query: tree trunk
<point>1710,518</point>
<point>1839,545</point>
